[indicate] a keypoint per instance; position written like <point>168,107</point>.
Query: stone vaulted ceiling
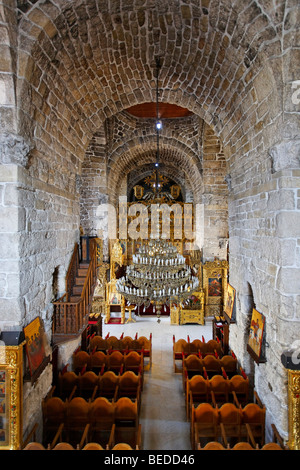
<point>83,62</point>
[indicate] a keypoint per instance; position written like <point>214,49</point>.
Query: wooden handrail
<point>70,317</point>
<point>71,273</point>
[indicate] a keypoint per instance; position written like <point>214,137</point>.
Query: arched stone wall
<point>70,66</point>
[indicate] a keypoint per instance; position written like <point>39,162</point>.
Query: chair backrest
<point>229,414</point>
<point>63,446</point>
<point>211,363</point>
<point>229,363</point>
<point>242,446</point>
<point>93,446</point>
<point>108,381</point>
<point>80,359</point>
<point>98,358</point>
<point>67,381</point>
<point>54,410</point>
<point>88,381</point>
<point>133,359</point>
<point>102,410</point>
<point>212,345</point>
<point>116,358</point>
<point>122,446</point>
<point>198,344</point>
<point>126,410</point>
<point>218,384</point>
<point>144,342</point>
<point>127,342</point>
<point>129,380</point>
<point>204,413</point>
<point>97,342</point>
<point>113,342</point>
<point>272,446</point>
<point>78,410</point>
<point>179,345</point>
<point>34,446</point>
<point>197,384</point>
<point>193,362</point>
<point>253,414</point>
<point>213,445</point>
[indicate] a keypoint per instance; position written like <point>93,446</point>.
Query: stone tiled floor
<point>162,416</point>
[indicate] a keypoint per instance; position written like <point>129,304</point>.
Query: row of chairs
<point>123,344</point>
<point>90,385</point>
<point>115,361</point>
<point>228,422</point>
<point>216,390</point>
<point>80,421</point>
<point>183,348</point>
<point>209,366</point>
<point>67,446</point>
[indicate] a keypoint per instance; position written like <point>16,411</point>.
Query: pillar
<point>291,361</point>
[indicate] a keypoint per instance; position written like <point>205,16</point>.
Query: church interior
<point>149,225</point>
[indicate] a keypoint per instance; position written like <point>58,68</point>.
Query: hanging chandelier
<point>158,274</point>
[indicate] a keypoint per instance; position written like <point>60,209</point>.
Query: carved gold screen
<point>11,396</point>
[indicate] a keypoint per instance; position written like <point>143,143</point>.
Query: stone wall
<point>67,67</point>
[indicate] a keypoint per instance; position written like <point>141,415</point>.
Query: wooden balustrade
<point>71,313</point>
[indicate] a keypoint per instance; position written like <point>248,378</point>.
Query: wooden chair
<point>122,446</point>
<point>229,423</point>
<point>98,343</point>
<point>126,413</point>
<point>219,389</point>
<point>98,361</point>
<point>93,446</point>
<point>108,384</point>
<point>145,345</point>
<point>204,422</point>
<point>134,362</point>
<point>130,386</point>
<point>54,414</point>
<point>77,419</point>
<point>191,365</point>
<point>240,386</point>
<point>81,360</point>
<point>178,348</point>
<point>242,446</point>
<point>115,361</point>
<point>271,446</point>
<point>102,416</point>
<point>213,445</point>
<point>229,364</point>
<point>197,391</point>
<point>67,384</point>
<point>126,343</point>
<point>34,446</point>
<point>113,343</point>
<point>254,415</point>
<point>212,365</point>
<point>88,385</point>
<point>212,347</point>
<point>63,446</point>
<point>199,345</point>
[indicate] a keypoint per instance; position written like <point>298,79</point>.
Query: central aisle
<point>162,416</point>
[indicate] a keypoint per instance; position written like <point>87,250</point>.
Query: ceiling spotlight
<point>158,125</point>
<point>156,164</point>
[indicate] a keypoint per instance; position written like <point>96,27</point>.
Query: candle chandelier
<point>158,274</point>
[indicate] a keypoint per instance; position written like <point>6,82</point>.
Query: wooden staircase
<point>71,311</point>
<point>79,282</point>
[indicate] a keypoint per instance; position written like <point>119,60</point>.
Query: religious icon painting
<point>228,308</point>
<point>35,344</point>
<point>256,332</point>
